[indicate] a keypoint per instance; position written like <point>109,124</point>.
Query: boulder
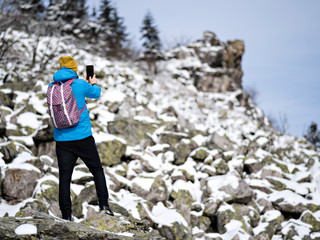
<point>158,191</point>
<point>6,99</point>
<point>138,229</point>
<point>9,151</point>
<point>229,188</point>
<point>295,229</point>
<point>252,165</point>
<point>3,126</point>
<point>204,223</point>
<point>18,184</point>
<point>176,231</point>
<point>220,166</point>
<point>183,201</point>
<point>150,161</point>
<point>182,151</point>
<point>36,205</point>
<point>219,142</point>
<point>211,206</point>
<point>227,213</point>
<point>50,196</point>
<point>133,131</point>
<point>111,152</point>
<point>89,195</point>
<point>44,134</point>
<point>270,222</point>
<point>312,219</point>
<point>291,202</point>
<point>171,138</point>
<point>199,154</point>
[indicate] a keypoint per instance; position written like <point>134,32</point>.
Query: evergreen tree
<point>66,15</point>
<point>151,42</point>
<point>119,36</point>
<point>113,29</point>
<point>313,135</point>
<point>106,9</point>
<point>34,8</point>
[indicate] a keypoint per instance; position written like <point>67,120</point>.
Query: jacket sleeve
<point>92,91</point>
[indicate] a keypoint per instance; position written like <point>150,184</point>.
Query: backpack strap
<point>69,82</point>
<point>51,107</point>
<point>84,107</point>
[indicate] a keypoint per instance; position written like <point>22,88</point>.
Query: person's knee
<point>96,169</point>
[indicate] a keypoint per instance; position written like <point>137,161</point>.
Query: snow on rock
<point>26,229</point>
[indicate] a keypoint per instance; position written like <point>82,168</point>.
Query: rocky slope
<point>186,153</point>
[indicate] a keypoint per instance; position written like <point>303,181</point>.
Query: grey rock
<point>18,184</point>
<point>9,151</point>
<point>158,191</point>
<point>132,131</point>
<point>176,231</point>
<point>240,193</point>
<point>220,142</point>
<point>211,206</point>
<point>89,195</point>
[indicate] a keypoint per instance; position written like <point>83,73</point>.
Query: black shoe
<point>67,218</point>
<point>107,210</point>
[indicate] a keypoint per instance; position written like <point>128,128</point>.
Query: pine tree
<point>34,8</point>
<point>119,35</point>
<point>151,43</point>
<point>66,15</point>
<point>313,135</point>
<point>113,29</point>
<point>106,12</point>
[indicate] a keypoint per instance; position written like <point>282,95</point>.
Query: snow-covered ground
<point>272,176</point>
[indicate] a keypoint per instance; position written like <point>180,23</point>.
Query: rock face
<point>224,59</point>
<point>48,227</point>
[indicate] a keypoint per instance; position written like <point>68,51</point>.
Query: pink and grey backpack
<point>63,108</point>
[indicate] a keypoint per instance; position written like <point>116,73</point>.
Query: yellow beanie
<point>68,62</point>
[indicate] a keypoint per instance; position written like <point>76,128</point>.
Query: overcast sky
<point>282,52</point>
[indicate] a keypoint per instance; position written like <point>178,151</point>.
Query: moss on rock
<point>51,196</point>
<point>200,154</point>
<point>133,131</point>
<point>111,152</point>
<point>221,166</point>
<point>176,231</point>
<point>269,160</point>
<point>277,185</point>
<point>309,218</point>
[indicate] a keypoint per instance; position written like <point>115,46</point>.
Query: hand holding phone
<point>90,72</point>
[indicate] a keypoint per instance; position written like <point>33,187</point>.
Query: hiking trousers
<point>67,154</point>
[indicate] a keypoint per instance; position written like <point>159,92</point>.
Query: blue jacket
<point>81,89</point>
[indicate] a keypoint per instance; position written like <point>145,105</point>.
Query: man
<point>77,141</point>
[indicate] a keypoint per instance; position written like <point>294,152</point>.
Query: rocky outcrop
<point>220,63</point>
<point>36,225</point>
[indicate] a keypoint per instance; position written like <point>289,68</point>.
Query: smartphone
<point>90,71</point>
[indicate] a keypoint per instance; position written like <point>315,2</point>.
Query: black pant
<point>67,154</point>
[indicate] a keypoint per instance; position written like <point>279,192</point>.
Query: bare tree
<point>281,123</point>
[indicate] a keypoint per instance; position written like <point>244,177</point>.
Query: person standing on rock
<point>77,140</point>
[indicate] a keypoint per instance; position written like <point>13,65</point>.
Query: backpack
<point>62,104</point>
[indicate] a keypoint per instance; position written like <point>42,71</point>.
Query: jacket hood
<point>64,74</point>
